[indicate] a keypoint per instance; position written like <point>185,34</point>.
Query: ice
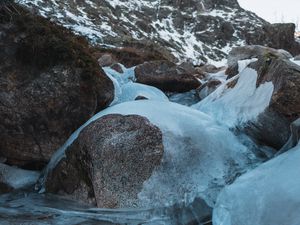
<point>238,105</point>
<point>200,156</point>
<point>242,64</point>
<point>17,178</point>
<point>131,91</point>
<point>187,98</point>
<point>126,90</point>
<point>295,61</point>
<point>270,194</point>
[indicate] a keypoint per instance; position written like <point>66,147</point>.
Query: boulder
<point>273,126</point>
<point>277,35</point>
<point>117,67</point>
<point>50,84</point>
<point>106,60</point>
<point>109,161</point>
<point>166,76</point>
<point>249,52</point>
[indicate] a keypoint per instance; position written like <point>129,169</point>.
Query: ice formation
<point>200,156</point>
<point>126,90</point>
<point>270,194</point>
<point>17,178</point>
<point>244,102</point>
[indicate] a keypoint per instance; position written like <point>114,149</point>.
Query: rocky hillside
<point>197,30</point>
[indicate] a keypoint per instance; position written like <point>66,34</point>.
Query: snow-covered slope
<point>190,29</point>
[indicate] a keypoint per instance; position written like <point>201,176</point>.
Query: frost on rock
<point>270,194</point>
<point>126,90</point>
<point>240,104</point>
<point>17,178</point>
<point>200,156</point>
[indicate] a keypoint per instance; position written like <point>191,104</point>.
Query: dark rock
<point>140,98</point>
<point>209,68</point>
<point>117,67</point>
<point>4,188</point>
<point>249,52</point>
<point>278,35</point>
<point>285,76</point>
<point>135,53</point>
<point>294,138</point>
<point>50,84</point>
<point>109,161</point>
<point>165,76</point>
<point>208,88</point>
<point>186,67</point>
<point>273,126</point>
<point>106,60</point>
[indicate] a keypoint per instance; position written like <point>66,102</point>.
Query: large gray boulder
<point>109,162</point>
<point>49,85</point>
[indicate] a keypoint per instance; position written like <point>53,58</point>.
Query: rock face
<point>272,127</point>
<point>166,76</point>
<point>195,29</point>
<point>249,52</point>
<point>278,35</point>
<point>109,161</point>
<point>50,84</point>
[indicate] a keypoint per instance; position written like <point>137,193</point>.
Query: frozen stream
<point>206,156</point>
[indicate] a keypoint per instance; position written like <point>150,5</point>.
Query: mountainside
<point>196,30</point>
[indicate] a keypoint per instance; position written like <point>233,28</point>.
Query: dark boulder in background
<point>250,52</point>
<point>50,84</point>
<point>167,76</point>
<point>277,35</point>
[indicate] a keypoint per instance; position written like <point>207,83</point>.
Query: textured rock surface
<point>109,161</point>
<point>189,29</point>
<point>250,52</point>
<point>278,35</point>
<point>166,76</point>
<point>273,125</point>
<point>49,86</point>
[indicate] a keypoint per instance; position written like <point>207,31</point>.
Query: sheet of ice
<point>296,61</point>
<point>187,98</point>
<point>17,178</point>
<point>238,105</point>
<point>270,194</point>
<point>200,156</point>
<point>126,90</point>
<point>130,91</point>
<point>244,63</point>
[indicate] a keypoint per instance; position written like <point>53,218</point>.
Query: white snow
<point>270,194</point>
